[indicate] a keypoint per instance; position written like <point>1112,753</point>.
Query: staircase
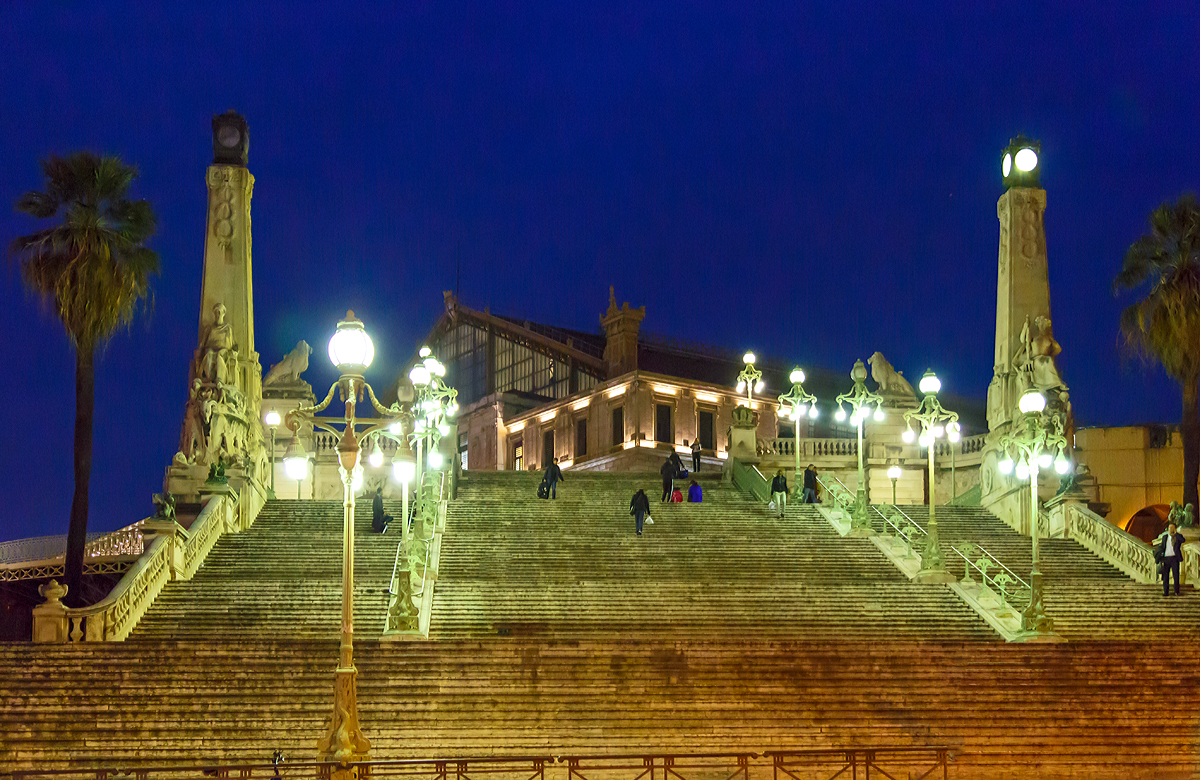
<point>573,568</point>
<point>556,630</point>
<point>282,578</point>
<point>1087,598</point>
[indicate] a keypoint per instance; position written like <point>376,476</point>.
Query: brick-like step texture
<point>1087,710</point>
<point>1087,597</point>
<point>573,567</point>
<point>282,578</point>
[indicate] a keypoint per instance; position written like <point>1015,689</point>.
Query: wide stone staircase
<point>1086,597</point>
<point>573,567</point>
<point>721,629</point>
<point>282,578</point>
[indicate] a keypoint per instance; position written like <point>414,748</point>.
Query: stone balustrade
<point>173,553</point>
<point>410,592</point>
<point>1123,550</point>
<point>967,446</point>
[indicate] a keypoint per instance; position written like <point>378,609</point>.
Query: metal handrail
<point>1002,566</point>
<point>1005,593</point>
<point>887,520</point>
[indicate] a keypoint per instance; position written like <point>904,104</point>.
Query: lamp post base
<point>933,562</point>
<point>860,519</point>
<point>343,741</point>
<point>1034,621</point>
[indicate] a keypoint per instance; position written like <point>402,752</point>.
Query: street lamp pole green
<point>799,404</point>
<point>935,421</point>
<point>860,399</point>
<point>750,379</point>
<point>1032,439</point>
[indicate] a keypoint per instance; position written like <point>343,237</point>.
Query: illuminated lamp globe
<point>1022,470</point>
<point>425,352</point>
<point>937,431</point>
<point>1026,160</point>
<point>439,369</point>
<point>749,358</point>
<point>741,385</point>
<point>923,440</point>
<point>796,377</point>
<point>840,414</point>
<point>879,415</point>
<point>1062,465</point>
<point>1044,460</point>
<point>443,429</point>
<point>909,436</point>
<point>930,383</point>
<point>356,480</point>
<point>452,409</point>
<point>350,348</point>
<point>295,460</point>
<point>953,434</point>
<point>758,388</point>
<point>403,471</point>
<point>1006,166</point>
<point>396,428</point>
<point>812,412</point>
<point>419,375</point>
<point>894,472</point>
<point>272,419</point>
<point>1006,466</point>
<point>436,461</point>
<point>1032,401</point>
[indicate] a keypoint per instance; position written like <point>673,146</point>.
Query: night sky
<point>814,184</point>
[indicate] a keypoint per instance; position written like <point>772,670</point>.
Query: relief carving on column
<point>216,421</point>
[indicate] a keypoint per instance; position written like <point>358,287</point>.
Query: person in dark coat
<point>677,462</point>
<point>379,521</point>
<point>639,507</point>
<point>695,455</point>
<point>1170,554</point>
<point>810,485</point>
<point>668,472</point>
<point>553,477</point>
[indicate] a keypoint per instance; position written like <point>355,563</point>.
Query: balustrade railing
<point>749,479</point>
<point>41,549</point>
<point>170,556</point>
<point>913,762</point>
<point>1123,550</point>
<point>968,446</point>
<point>810,448</point>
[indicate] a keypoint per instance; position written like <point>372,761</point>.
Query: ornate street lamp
<point>894,474</point>
<point>434,404</point>
<point>860,399</point>
<point>1033,439</point>
<point>799,405</point>
<point>351,352</point>
<point>935,421</point>
<point>750,379</point>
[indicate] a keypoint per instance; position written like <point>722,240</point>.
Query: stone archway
<point>1147,523</point>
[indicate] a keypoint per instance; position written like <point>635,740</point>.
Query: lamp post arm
<point>294,416</point>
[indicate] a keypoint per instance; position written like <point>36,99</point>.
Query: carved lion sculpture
<point>288,370</point>
<point>890,381</point>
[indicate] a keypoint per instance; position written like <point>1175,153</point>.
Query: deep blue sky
<point>815,184</point>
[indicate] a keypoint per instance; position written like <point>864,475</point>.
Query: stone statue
<point>216,349</point>
<point>1182,516</point>
<point>164,506</point>
<point>216,473</point>
<point>1036,355</point>
<point>288,370</point>
<point>891,382</point>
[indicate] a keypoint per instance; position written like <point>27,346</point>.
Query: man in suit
<point>1170,555</point>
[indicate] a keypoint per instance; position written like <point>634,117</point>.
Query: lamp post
<point>894,474</point>
<point>351,352</point>
<point>800,404</point>
<point>860,399</point>
<point>434,403</point>
<point>272,420</point>
<point>750,379</point>
<point>1032,439</point>
<point>935,421</point>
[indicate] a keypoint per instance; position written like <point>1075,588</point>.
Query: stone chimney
<point>621,336</point>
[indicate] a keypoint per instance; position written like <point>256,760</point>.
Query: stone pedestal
<point>50,618</point>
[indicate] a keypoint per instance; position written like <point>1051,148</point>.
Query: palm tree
<point>93,267</point>
<point>1165,324</point>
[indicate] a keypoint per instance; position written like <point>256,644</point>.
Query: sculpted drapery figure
<point>217,349</point>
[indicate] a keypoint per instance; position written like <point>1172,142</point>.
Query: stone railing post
<point>50,617</point>
<point>155,527</point>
